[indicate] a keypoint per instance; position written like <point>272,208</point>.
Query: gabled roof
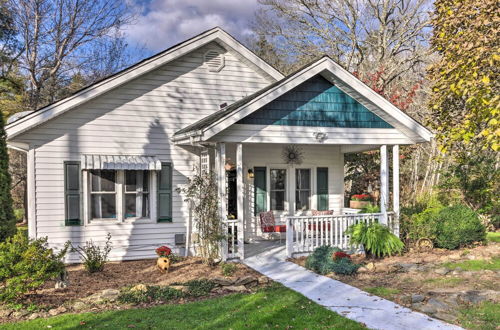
<point>211,125</point>
<point>217,34</point>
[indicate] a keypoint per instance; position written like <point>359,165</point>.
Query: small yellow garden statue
<point>163,261</point>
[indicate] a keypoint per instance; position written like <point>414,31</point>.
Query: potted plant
<point>360,201</point>
<point>163,261</point>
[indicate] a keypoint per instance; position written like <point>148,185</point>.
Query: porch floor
<point>257,247</point>
<point>348,301</point>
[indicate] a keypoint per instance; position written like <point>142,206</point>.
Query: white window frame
<point>286,205</point>
<point>120,200</point>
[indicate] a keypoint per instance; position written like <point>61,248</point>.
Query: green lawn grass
<point>485,316</point>
<point>382,291</point>
<point>444,281</point>
<point>274,307</point>
<point>480,264</point>
<point>493,237</point>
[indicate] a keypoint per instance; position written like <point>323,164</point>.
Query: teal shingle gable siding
<point>317,103</point>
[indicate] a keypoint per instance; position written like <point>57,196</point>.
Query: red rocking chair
<point>268,224</point>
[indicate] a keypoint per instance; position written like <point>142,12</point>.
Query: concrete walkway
<point>348,301</point>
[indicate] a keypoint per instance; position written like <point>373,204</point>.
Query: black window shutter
<point>165,193</point>
<point>260,190</point>
<point>72,193</point>
<point>322,186</point>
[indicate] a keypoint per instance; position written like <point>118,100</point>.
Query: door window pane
<point>302,189</point>
<point>278,189</point>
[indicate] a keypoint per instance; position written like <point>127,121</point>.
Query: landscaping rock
<point>438,304</point>
<point>236,288</point>
<point>5,312</point>
<point>476,297</point>
<point>57,311</point>
<point>222,281</point>
<point>425,308</point>
<point>448,317</point>
<point>441,271</point>
<point>263,280</point>
<point>103,296</point>
<point>417,298</point>
<point>245,280</point>
<point>33,316</point>
<point>139,288</point>
<point>20,313</point>
<point>407,267</point>
<point>370,266</point>
<point>363,270</point>
<point>79,306</point>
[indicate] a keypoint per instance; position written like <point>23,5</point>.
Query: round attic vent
<point>214,61</point>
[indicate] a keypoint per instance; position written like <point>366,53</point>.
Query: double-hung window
<point>119,195</point>
<point>277,189</point>
<point>302,189</point>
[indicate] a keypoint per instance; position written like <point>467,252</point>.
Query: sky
<point>163,23</point>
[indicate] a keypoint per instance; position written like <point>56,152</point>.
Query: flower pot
<point>358,204</point>
<point>163,263</point>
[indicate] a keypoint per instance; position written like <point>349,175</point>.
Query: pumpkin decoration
<point>163,261</point>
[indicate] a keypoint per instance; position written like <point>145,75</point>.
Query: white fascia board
<point>324,66</point>
<point>218,35</point>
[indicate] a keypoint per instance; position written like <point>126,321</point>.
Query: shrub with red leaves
<point>163,251</point>
<point>341,255</point>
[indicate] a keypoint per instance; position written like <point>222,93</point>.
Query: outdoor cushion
<point>268,223</point>
<point>326,212</point>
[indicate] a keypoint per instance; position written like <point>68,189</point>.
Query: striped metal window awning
<point>121,162</point>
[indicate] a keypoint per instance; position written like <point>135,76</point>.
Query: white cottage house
<point>109,158</point>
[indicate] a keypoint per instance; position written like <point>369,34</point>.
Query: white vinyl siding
<point>137,118</point>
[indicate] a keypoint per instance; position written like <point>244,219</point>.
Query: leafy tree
<point>466,99</point>
<point>7,220</point>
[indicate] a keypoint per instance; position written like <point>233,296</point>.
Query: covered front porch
<point>257,179</point>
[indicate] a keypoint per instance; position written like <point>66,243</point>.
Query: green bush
<point>321,261</point>
<point>418,219</point>
<point>376,239</point>
<point>458,226</point>
<point>26,265</point>
<point>19,215</point>
<point>94,258</point>
<point>370,208</point>
<point>153,293</point>
<point>228,269</point>
<point>344,266</point>
<point>199,288</point>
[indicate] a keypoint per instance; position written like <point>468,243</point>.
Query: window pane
<point>103,180</point>
<point>145,181</point>
<point>103,206</point>
<point>73,176</point>
<point>303,178</point>
<point>145,206</point>
<point>302,199</point>
<point>277,200</point>
<point>130,206</point>
<point>278,178</point>
<point>131,180</point>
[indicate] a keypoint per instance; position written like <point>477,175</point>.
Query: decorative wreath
<point>292,154</point>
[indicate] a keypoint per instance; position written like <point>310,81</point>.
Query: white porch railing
<point>305,233</point>
<point>229,246</point>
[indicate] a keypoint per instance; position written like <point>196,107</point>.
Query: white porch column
<point>222,180</point>
<point>220,159</point>
<point>239,193</point>
<point>395,180</point>
<point>384,183</point>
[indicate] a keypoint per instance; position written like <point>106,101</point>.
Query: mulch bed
<point>117,275</point>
